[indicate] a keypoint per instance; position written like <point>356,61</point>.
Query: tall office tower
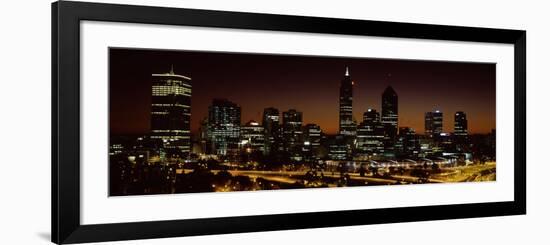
<point>347,125</point>
<point>460,136</point>
<point>252,137</point>
<point>292,132</point>
<point>272,131</point>
<point>370,135</point>
<point>408,144</point>
<point>461,124</point>
<point>224,121</point>
<point>433,123</point>
<point>390,112</point>
<point>312,142</point>
<point>203,137</point>
<point>171,113</point>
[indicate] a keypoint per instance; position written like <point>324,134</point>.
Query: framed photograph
<point>176,122</point>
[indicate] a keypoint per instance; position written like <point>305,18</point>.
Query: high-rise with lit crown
<point>460,133</point>
<point>271,124</point>
<point>433,123</point>
<point>461,124</point>
<point>347,126</point>
<point>370,134</point>
<point>171,112</point>
<point>252,137</point>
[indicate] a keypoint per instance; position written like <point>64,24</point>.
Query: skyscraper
<point>460,136</point>
<point>224,121</point>
<point>370,135</point>
<point>338,148</point>
<point>408,144</point>
<point>461,124</point>
<point>252,137</point>
<point>433,123</point>
<point>271,124</point>
<point>390,112</point>
<point>312,142</point>
<point>292,132</point>
<point>171,113</point>
<point>203,137</point>
<point>347,126</point>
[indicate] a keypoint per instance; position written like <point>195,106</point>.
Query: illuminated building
<point>460,135</point>
<point>444,143</point>
<point>461,124</point>
<point>115,149</point>
<point>370,135</point>
<point>292,133</point>
<point>426,145</point>
<point>389,118</point>
<point>203,138</point>
<point>171,113</point>
<point>390,112</point>
<point>371,116</point>
<point>408,144</point>
<point>347,126</point>
<point>224,121</point>
<point>252,137</point>
<point>338,149</point>
<point>272,130</point>
<point>433,123</point>
<point>312,142</point>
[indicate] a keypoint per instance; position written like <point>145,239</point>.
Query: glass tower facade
<point>390,112</point>
<point>171,113</point>
<point>347,126</point>
<point>370,135</point>
<point>433,123</point>
<point>224,122</point>
<point>461,124</point>
<point>292,132</point>
<point>271,124</point>
<point>252,137</point>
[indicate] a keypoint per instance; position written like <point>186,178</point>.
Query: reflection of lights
<point>307,143</point>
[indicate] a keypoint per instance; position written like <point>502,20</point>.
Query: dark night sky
<point>307,83</point>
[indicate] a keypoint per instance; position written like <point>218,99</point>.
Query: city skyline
<point>318,102</point>
<point>290,147</point>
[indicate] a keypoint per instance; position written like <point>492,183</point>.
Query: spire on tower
<point>172,69</point>
<point>347,71</point>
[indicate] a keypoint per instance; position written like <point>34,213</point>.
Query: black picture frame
<point>66,18</point>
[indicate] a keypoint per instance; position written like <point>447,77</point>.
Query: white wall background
<point>25,121</point>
